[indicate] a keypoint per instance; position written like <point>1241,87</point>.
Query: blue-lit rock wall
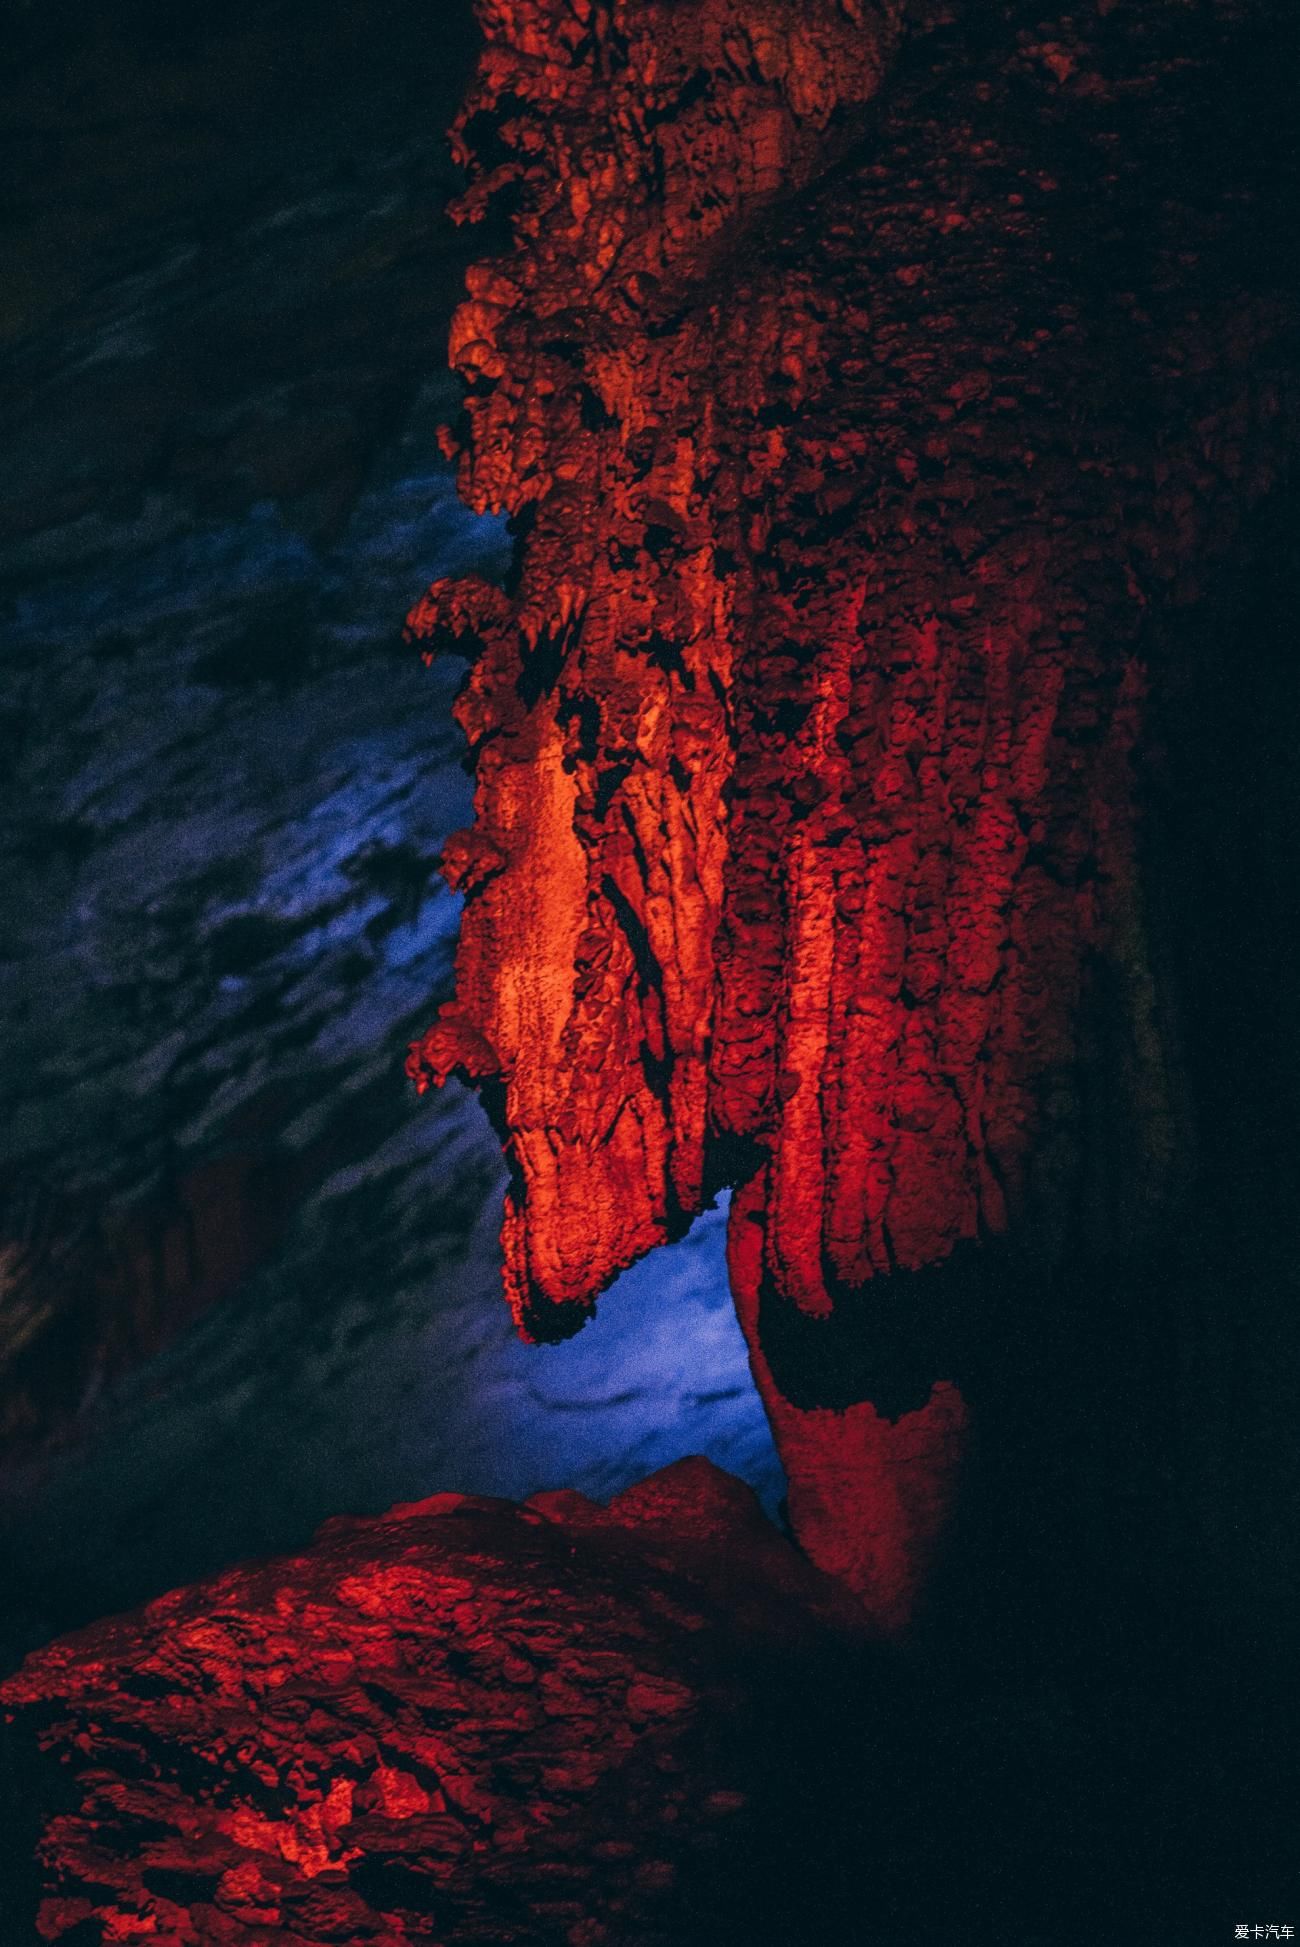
<point>248,1280</point>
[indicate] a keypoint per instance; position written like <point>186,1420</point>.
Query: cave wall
<point>856,433</point>
<point>225,1311</point>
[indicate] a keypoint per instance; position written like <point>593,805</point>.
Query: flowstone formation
<point>466,1721</point>
<point>854,437</point>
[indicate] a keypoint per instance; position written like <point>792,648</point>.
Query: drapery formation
<point>853,429</point>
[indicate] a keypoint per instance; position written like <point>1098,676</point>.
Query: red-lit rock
<point>464,1721</point>
<point>805,746</point>
<point>638,141</point>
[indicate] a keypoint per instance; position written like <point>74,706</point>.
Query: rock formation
<point>855,440</point>
<point>875,391</point>
<point>466,1721</point>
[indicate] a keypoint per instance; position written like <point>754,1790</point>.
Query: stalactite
<point>848,450</point>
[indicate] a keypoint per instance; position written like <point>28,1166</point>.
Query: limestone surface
<point>856,426</point>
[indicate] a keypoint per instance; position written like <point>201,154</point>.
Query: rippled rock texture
<point>215,831</point>
<point>465,1721</point>
<point>226,1311</point>
<point>852,454</point>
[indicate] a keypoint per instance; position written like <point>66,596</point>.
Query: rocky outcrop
<point>850,454</point>
<point>466,1721</point>
<point>600,711</point>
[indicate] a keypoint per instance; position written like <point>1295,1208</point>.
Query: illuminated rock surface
<point>556,1724</point>
<point>804,842</point>
<point>466,1721</point>
<point>929,614</point>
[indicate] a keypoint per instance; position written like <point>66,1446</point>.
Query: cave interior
<point>649,979</point>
